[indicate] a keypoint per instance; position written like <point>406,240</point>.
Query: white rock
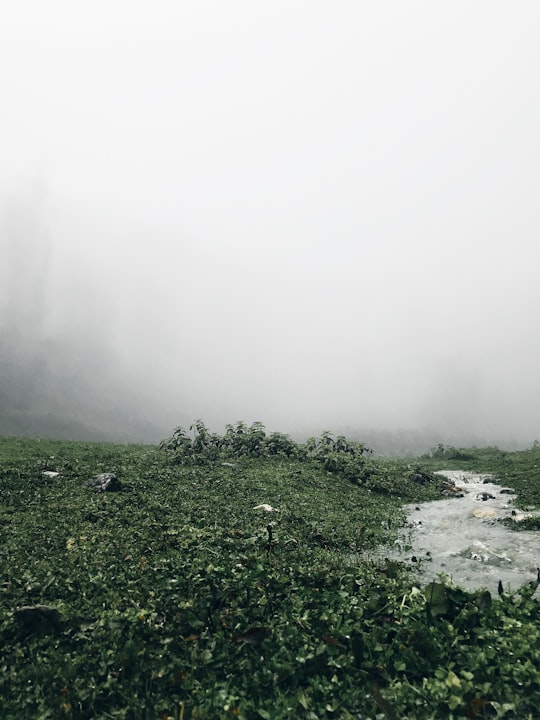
<point>519,517</point>
<point>266,507</point>
<point>50,473</point>
<point>485,513</point>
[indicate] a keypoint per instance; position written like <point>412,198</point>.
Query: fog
<point>316,215</point>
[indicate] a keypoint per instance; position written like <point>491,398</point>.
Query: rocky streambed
<point>463,537</point>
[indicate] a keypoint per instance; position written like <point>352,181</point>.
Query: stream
<point>462,537</point>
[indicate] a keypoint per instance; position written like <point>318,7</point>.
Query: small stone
<point>104,482</point>
<point>519,517</point>
<point>37,617</point>
<point>451,490</point>
<point>485,496</point>
<point>485,513</point>
<point>50,473</point>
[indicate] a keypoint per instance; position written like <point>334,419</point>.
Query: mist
<point>315,216</point>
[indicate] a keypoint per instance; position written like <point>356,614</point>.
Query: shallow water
<point>463,538</point>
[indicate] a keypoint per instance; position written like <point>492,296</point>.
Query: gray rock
<point>449,489</point>
<point>103,482</point>
<point>485,496</point>
<point>37,617</point>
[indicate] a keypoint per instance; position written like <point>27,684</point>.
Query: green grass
<point>179,600</point>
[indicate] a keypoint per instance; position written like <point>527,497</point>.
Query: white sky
<point>307,213</point>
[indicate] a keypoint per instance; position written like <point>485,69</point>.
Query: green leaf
<point>437,599</point>
<point>483,600</point>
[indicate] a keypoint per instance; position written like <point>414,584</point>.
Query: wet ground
<point>464,538</point>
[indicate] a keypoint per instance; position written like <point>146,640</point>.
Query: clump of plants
<point>449,452</point>
<point>337,456</point>
<point>199,445</point>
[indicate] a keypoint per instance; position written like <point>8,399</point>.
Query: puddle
<point>463,538</point>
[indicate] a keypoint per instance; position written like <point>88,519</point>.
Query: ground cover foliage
<point>179,598</point>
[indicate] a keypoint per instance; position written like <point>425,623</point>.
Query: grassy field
<point>177,597</point>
